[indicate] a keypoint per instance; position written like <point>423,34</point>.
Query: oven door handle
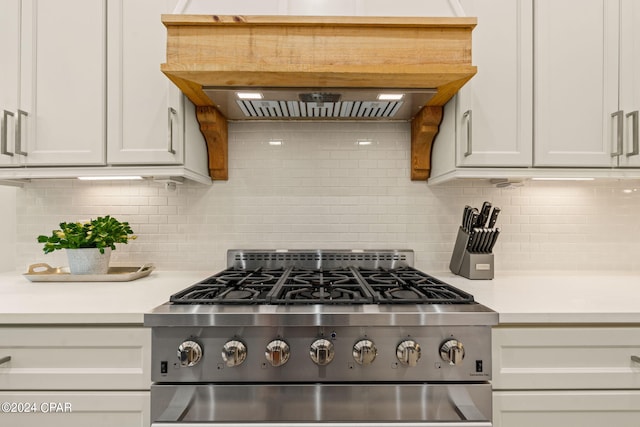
<point>333,424</point>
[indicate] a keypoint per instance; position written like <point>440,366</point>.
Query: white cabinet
<point>491,117</point>
<point>560,376</point>
<point>101,373</point>
<point>76,409</point>
<point>576,65</point>
<point>587,84</point>
<point>493,114</point>
<point>557,93</point>
<point>9,78</point>
<point>81,86</point>
<point>60,118</point>
<point>594,408</point>
<point>146,114</point>
<point>629,101</point>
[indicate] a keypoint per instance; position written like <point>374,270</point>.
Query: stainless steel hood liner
<point>310,104</point>
<point>316,110</point>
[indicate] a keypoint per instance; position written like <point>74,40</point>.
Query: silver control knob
<point>408,352</point>
<point>452,351</point>
<point>321,352</point>
<point>277,352</point>
<point>364,352</point>
<point>189,353</point>
<point>234,352</point>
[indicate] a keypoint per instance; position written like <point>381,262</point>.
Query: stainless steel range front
<point>315,337</point>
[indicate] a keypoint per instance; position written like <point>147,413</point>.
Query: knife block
<point>465,264</point>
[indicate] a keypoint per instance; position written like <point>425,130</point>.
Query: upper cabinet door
<point>9,79</point>
<point>630,81</point>
<point>145,108</point>
<point>576,82</point>
<point>493,117</point>
<point>62,89</point>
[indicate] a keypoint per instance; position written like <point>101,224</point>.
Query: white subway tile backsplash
<point>321,190</point>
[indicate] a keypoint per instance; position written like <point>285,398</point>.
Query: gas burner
<point>322,294</point>
<point>337,286</point>
<point>237,279</point>
<point>407,285</point>
<point>322,279</point>
<point>231,286</point>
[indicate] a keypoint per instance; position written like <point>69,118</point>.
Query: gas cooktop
<point>320,287</point>
<point>337,277</point>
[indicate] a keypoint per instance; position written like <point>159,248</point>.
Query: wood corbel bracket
<point>213,126</point>
<point>424,128</point>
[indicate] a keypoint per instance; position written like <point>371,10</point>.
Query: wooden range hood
<point>267,52</point>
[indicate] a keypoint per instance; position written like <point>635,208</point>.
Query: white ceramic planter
<point>88,260</point>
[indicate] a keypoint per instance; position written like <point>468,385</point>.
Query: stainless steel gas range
<point>315,337</point>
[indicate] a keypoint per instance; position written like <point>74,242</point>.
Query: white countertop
<point>24,302</point>
<point>518,298</point>
<point>556,297</point>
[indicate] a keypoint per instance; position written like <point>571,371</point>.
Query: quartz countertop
<point>519,298</point>
<point>25,302</point>
<point>524,298</point>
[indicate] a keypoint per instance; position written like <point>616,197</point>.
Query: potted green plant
<point>88,244</point>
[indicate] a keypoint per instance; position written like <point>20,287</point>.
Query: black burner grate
<point>231,286</point>
<point>336,286</point>
<point>410,286</point>
<point>344,285</point>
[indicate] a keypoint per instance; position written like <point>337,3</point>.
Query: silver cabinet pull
<point>634,133</point>
<point>635,359</point>
<point>619,116</point>
<point>172,113</point>
<point>18,147</point>
<point>468,116</point>
<point>5,360</point>
<point>3,143</point>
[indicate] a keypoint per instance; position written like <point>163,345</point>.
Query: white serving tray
<point>43,272</point>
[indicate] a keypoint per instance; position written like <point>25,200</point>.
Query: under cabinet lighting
<point>390,96</point>
<point>275,143</point>
<point>562,179</point>
<point>109,178</point>
<point>249,95</point>
<point>363,142</point>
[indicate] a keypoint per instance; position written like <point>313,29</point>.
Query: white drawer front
<point>75,358</point>
<point>584,408</point>
<point>74,409</point>
<point>566,358</point>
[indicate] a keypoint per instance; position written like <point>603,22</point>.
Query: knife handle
<point>465,217</point>
<point>484,214</point>
<point>494,217</point>
<point>473,219</point>
<point>473,235</point>
<point>494,239</point>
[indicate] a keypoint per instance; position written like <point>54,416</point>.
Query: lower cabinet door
<point>74,409</point>
<point>75,358</point>
<point>595,408</point>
